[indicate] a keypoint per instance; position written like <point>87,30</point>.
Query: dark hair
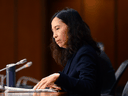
<point>78,35</point>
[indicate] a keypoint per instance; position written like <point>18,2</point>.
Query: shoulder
<point>86,53</point>
<point>86,58</point>
<point>86,49</point>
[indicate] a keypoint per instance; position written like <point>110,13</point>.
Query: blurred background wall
<point>25,32</point>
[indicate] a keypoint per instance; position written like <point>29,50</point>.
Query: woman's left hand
<point>48,82</point>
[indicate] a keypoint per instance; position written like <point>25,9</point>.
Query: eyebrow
<point>56,26</point>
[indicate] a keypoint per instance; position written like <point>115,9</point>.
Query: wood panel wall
<point>101,22</point>
<point>30,29</point>
<point>22,35</point>
<point>122,36</point>
<point>25,32</point>
<point>7,52</point>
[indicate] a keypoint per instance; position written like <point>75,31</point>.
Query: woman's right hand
<point>48,82</point>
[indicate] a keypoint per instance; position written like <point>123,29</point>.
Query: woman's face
<point>60,31</point>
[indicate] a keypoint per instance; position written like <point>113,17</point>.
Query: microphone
<point>10,73</point>
<point>24,66</point>
<point>20,62</point>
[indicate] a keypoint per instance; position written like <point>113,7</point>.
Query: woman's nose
<point>54,35</point>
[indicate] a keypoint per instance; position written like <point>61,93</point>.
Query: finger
<point>46,84</point>
<point>35,87</point>
<point>57,88</point>
<point>38,84</point>
<point>42,84</point>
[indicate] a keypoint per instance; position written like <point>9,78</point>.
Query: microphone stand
<point>10,73</point>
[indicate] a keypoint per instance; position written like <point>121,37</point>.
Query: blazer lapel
<point>67,67</point>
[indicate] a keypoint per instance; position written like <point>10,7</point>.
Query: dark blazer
<point>80,76</point>
<point>107,73</point>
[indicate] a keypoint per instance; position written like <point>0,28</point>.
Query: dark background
<point>25,32</point>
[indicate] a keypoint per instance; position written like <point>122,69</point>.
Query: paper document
<point>9,89</point>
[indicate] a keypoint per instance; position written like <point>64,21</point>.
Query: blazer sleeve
<point>87,70</point>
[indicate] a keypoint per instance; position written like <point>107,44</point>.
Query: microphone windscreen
<point>28,64</point>
<point>21,61</point>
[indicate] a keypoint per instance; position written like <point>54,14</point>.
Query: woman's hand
<point>48,82</point>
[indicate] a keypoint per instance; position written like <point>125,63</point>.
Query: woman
<point>73,47</point>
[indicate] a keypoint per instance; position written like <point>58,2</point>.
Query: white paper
<point>9,89</point>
